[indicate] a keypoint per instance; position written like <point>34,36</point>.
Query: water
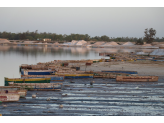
<point>11,57</point>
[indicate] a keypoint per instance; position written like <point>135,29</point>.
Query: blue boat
<point>118,71</point>
<point>76,76</point>
<point>53,77</point>
<point>37,72</point>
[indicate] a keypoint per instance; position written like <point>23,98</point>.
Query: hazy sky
<point>94,21</point>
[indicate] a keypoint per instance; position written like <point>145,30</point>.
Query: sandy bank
<point>142,69</point>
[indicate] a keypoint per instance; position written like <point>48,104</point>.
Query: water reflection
<point>84,51</point>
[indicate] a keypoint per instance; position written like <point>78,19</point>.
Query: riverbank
<point>143,68</point>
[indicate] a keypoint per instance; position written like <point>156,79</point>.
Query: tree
<point>139,42</point>
<point>149,35</point>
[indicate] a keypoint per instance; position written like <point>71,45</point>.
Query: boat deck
<point>105,97</point>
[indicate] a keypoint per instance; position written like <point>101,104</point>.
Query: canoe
<point>53,77</point>
<point>108,75</point>
<point>13,90</point>
<point>22,93</point>
<point>9,97</point>
<point>137,78</point>
<point>75,76</point>
<point>38,86</point>
<point>37,72</point>
<point>120,71</point>
<point>28,80</point>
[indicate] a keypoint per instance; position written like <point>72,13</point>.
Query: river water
<point>11,57</point>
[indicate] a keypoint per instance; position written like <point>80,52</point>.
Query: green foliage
<point>68,38</point>
<point>149,35</point>
<point>139,42</point>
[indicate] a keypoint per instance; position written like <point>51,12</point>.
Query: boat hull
<point>9,97</point>
<point>38,86</point>
<point>53,77</point>
<point>37,72</point>
<point>137,78</point>
<point>127,72</point>
<point>28,80</point>
<point>76,76</point>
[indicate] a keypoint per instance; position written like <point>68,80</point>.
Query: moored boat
<point>37,72</point>
<point>75,76</point>
<point>53,77</point>
<point>38,86</point>
<point>9,97</point>
<point>120,71</point>
<point>27,80</point>
<point>13,90</point>
<point>137,78</point>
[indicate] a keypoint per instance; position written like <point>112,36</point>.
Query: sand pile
<point>4,40</point>
<point>56,43</point>
<point>161,45</point>
<point>81,42</point>
<point>128,44</point>
<point>106,44</point>
<point>113,43</point>
<point>147,45</point>
<point>98,43</point>
<point>73,42</point>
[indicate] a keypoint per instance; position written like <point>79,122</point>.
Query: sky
<point>94,21</point>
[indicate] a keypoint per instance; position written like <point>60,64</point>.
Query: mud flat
<point>143,68</point>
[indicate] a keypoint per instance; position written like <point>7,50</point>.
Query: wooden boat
<point>38,86</point>
<point>137,78</point>
<point>37,72</point>
<point>75,76</point>
<point>9,97</point>
<point>28,80</point>
<point>13,90</point>
<point>120,71</point>
<point>106,75</point>
<point>53,77</point>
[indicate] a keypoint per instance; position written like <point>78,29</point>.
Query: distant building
<point>46,39</point>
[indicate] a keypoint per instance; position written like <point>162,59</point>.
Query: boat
<point>137,78</point>
<point>13,90</point>
<point>75,76</point>
<point>37,72</point>
<point>53,77</point>
<point>9,97</point>
<point>38,86</point>
<point>120,71</point>
<point>106,74</point>
<point>28,80</point>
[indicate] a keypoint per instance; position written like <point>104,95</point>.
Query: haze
<point>94,21</point>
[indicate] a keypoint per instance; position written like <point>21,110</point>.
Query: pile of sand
<point>74,42</point>
<point>128,44</point>
<point>98,43</point>
<point>106,44</point>
<point>113,43</point>
<point>161,45</point>
<point>56,43</point>
<point>147,45</point>
<point>81,42</point>
<point>2,40</point>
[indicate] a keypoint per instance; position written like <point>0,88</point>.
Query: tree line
<point>34,36</point>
